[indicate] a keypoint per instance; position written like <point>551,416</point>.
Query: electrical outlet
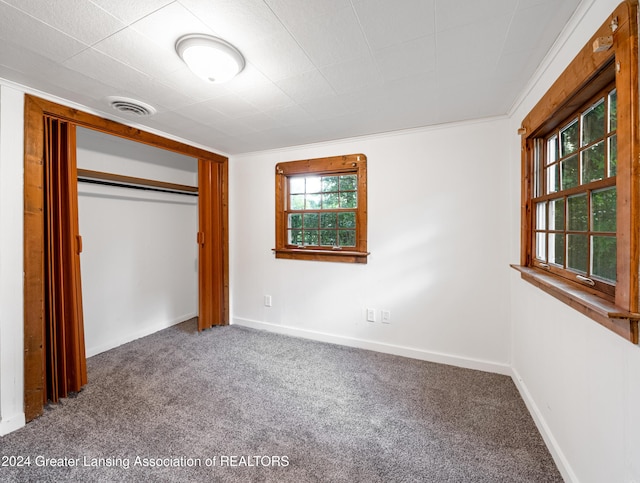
<point>267,300</point>
<point>386,316</point>
<point>371,315</point>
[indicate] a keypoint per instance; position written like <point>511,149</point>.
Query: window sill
<point>602,311</point>
<point>344,256</point>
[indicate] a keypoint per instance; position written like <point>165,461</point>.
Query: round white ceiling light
<point>210,58</point>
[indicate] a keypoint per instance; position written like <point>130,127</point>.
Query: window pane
<point>593,123</point>
<point>347,238</point>
<point>553,178</point>
<point>541,216</point>
<point>577,213</point>
<point>347,220</point>
<point>577,252</point>
<point>603,258</point>
<point>295,237</point>
<point>328,220</point>
<point>613,110</point>
<point>556,248</point>
<point>569,172</point>
<point>348,199</point>
<point>569,139</point>
<point>297,202</point>
<point>603,210</point>
<point>311,237</point>
<point>556,214</point>
<point>296,185</point>
<point>314,184</point>
<point>538,151</point>
<point>295,221</point>
<point>313,202</point>
<point>330,201</point>
<point>311,220</point>
<point>593,163</point>
<point>541,246</point>
<point>328,238</point>
<point>348,182</point>
<point>552,149</point>
<point>330,183</point>
<point>613,155</point>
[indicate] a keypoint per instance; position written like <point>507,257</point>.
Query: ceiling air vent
<point>131,106</point>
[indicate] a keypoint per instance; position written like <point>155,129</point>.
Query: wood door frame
<point>34,288</point>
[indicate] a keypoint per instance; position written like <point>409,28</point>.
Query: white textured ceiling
<point>316,70</point>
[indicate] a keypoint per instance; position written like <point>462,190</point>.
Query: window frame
<point>591,71</point>
<point>347,164</point>
<point>538,170</point>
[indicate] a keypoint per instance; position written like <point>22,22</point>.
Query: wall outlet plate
<point>371,315</point>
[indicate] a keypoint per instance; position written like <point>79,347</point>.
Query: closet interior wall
<point>140,258</point>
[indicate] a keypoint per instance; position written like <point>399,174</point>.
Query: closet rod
<point>110,179</point>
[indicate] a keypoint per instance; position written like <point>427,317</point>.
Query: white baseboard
<point>554,448</point>
<point>112,344</point>
<point>424,355</point>
<point>11,424</point>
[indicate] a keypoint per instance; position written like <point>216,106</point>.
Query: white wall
<point>139,260</point>
<point>444,277</point>
<point>102,152</point>
<point>11,267</point>
<point>580,380</point>
<point>438,237</point>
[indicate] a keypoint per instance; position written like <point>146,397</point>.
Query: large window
<point>574,175</point>
<point>580,226</point>
<point>321,209</point>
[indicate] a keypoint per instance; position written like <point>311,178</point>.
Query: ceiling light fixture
<point>210,58</point>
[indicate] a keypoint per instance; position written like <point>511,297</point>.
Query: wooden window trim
<point>602,286</point>
<point>584,76</point>
<point>599,309</point>
<point>349,163</point>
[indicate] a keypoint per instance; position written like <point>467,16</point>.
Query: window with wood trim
<point>321,209</point>
<point>580,226</point>
<point>574,196</point>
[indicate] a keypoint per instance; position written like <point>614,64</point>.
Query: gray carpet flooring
<point>235,404</point>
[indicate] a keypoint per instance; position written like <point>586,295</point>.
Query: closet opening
<point>55,358</point>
